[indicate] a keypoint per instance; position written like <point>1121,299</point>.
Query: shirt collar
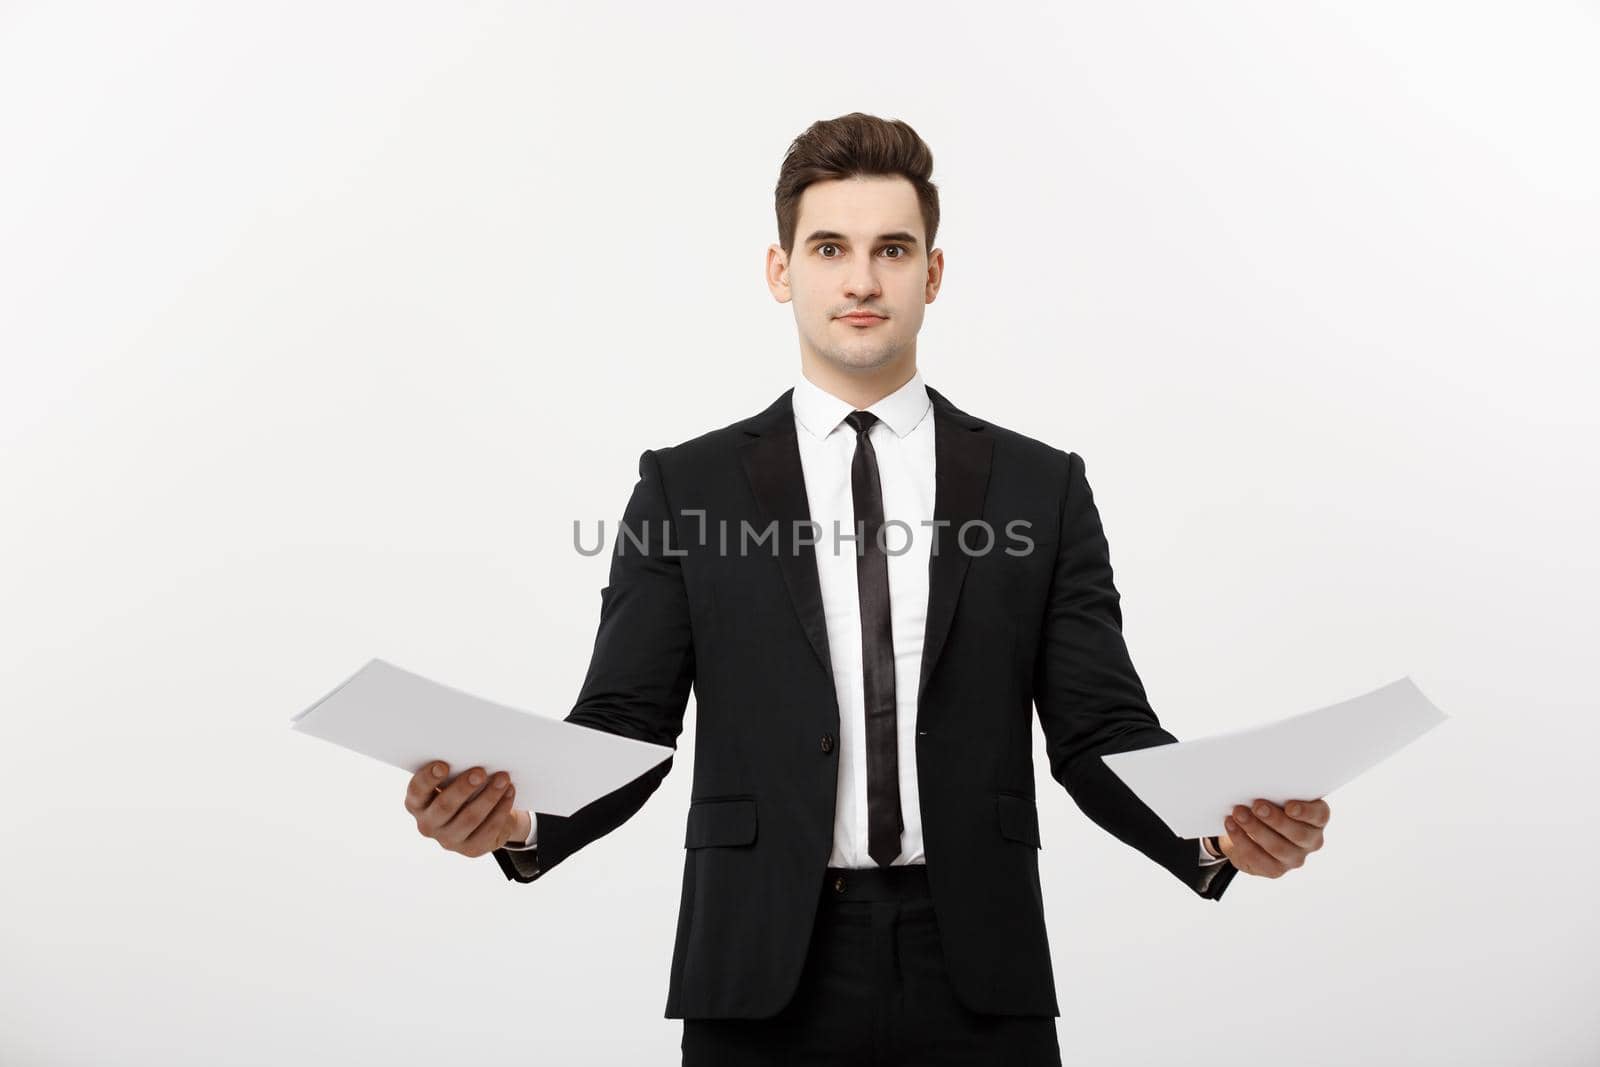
<point>820,412</point>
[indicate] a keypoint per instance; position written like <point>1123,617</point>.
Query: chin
<point>863,360</point>
<point>867,355</point>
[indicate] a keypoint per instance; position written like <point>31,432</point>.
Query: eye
<point>896,248</point>
<point>822,246</point>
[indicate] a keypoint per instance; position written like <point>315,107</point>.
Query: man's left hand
<point>1270,841</point>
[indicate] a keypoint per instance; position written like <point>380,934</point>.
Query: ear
<point>778,274</point>
<point>930,288</point>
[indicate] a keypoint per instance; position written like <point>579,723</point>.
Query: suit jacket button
<point>827,743</point>
<point>838,884</point>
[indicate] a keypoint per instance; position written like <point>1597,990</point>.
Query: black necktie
<point>877,649</point>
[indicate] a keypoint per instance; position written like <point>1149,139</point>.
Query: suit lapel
<point>963,451</point>
<point>772,463</point>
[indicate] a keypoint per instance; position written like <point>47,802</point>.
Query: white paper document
<point>407,720</point>
<point>1193,785</point>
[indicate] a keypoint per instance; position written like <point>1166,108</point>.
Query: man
<point>869,590</point>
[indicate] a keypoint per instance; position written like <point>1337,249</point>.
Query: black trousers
<point>874,992</point>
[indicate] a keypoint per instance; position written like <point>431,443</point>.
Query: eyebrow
<point>833,235</point>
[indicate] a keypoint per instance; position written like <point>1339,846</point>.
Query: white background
<point>321,323</point>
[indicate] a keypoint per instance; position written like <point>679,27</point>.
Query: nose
<point>861,283</point>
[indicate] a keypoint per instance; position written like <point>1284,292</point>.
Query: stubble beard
<point>866,357</point>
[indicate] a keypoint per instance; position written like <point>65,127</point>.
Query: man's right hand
<point>464,814</point>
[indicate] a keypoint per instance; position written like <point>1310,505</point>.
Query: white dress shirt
<point>902,440</point>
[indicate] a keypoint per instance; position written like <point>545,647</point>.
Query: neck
<point>860,387</point>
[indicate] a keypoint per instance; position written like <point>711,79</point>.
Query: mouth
<point>861,318</point>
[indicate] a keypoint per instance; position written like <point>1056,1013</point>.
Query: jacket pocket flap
<point>1019,818</point>
<point>721,822</point>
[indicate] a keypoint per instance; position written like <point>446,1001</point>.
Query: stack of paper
<point>1193,785</point>
<point>407,720</point>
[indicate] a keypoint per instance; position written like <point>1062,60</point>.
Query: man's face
<point>859,246</point>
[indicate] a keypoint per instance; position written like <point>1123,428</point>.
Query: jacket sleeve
<point>1090,700</point>
<point>639,677</point>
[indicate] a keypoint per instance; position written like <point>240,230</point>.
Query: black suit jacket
<point>1007,632</point>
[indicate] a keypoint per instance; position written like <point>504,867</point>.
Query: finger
<point>1246,855</point>
<point>475,816</point>
<point>471,814</point>
<point>449,800</point>
<point>1303,835</point>
<point>420,790</point>
<point>1311,812</point>
<point>1275,844</point>
<point>492,833</point>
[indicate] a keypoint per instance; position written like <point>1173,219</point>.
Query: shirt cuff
<point>533,836</point>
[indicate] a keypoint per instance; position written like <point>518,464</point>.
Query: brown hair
<point>855,145</point>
